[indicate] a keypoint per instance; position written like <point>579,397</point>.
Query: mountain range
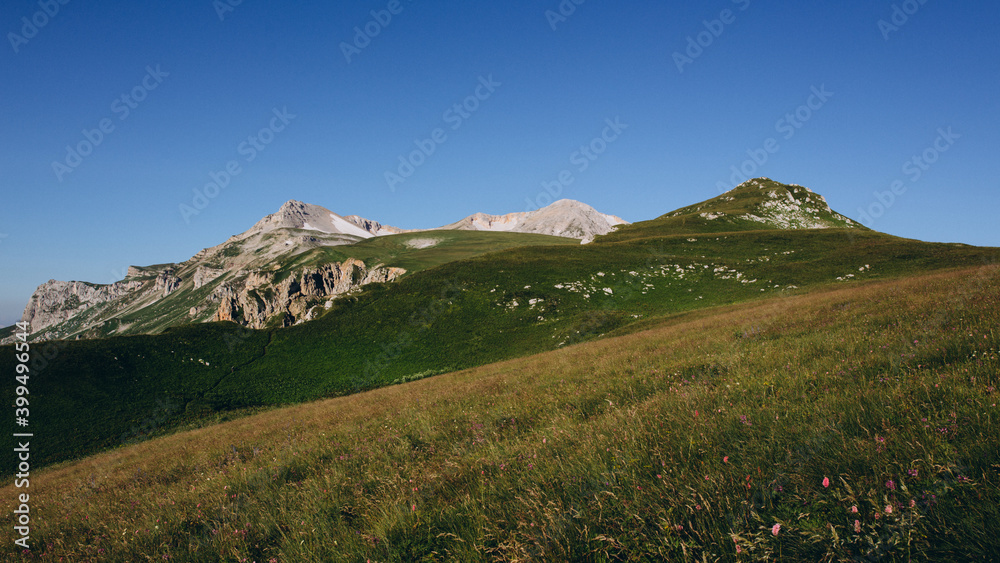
<point>247,279</point>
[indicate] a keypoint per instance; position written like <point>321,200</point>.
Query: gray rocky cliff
<point>57,301</point>
<point>259,297</point>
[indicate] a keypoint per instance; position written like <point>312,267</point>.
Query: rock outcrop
<point>167,282</point>
<point>57,301</point>
<point>259,297</point>
<point>204,275</point>
<point>374,227</point>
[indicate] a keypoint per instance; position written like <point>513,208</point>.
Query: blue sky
<point>822,94</point>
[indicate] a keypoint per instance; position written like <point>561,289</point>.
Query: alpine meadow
<point>392,281</point>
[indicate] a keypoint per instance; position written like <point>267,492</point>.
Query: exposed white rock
<point>422,242</point>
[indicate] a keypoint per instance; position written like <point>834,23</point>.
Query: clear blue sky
<point>216,81</point>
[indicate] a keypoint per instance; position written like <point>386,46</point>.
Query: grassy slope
<point>687,441</point>
<point>457,315</point>
<point>394,250</point>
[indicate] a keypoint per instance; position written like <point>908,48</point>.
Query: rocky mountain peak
<point>770,204</point>
<point>564,218</point>
<point>295,214</point>
<point>374,227</point>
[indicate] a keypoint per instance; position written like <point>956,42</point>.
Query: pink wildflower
<point>826,482</point>
<point>857,526</point>
<point>888,509</point>
<point>775,529</point>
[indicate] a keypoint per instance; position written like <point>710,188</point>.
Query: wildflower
<point>888,509</point>
<point>775,529</point>
<point>725,459</point>
<point>913,472</point>
<point>854,509</point>
<point>857,526</point>
<point>913,503</point>
<point>826,482</point>
<point>890,485</point>
<point>739,549</point>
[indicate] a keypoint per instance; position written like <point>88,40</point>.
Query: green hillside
<point>419,251</point>
<point>93,395</point>
<point>852,423</point>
